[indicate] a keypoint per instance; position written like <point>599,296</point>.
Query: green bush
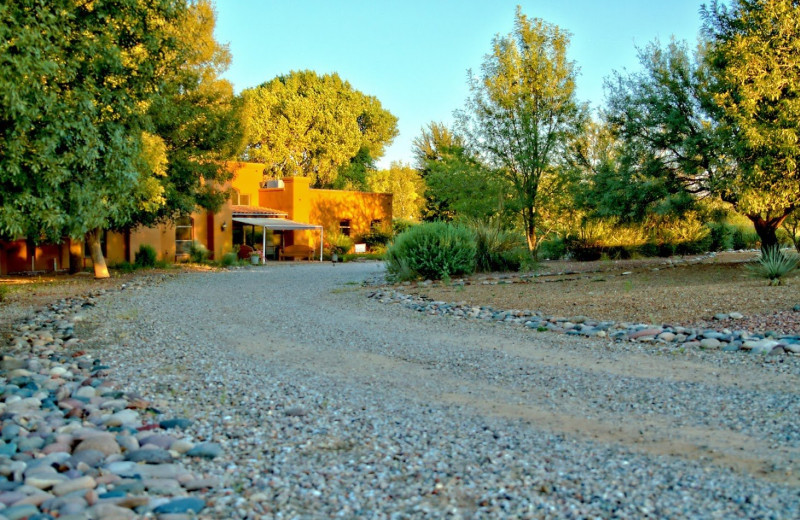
<point>432,250</point>
<point>338,243</point>
<point>744,238</point>
<point>773,264</point>
<point>497,249</point>
<point>552,249</point>
<point>648,249</point>
<point>198,253</point>
<point>401,226</point>
<point>666,249</point>
<point>583,249</point>
<point>375,238</point>
<point>126,267</point>
<point>695,247</point>
<point>621,252</point>
<point>145,257</point>
<point>229,259</point>
<point>721,236</point>
<point>4,292</point>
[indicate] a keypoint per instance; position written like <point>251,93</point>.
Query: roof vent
<point>274,183</point>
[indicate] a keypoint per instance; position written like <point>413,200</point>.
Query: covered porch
<point>265,230</point>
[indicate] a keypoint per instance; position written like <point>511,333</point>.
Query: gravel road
<point>330,404</point>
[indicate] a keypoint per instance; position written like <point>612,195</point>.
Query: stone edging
<point>679,337</point>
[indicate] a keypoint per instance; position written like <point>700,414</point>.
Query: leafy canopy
<point>76,82</point>
<point>310,125</point>
<point>523,114</point>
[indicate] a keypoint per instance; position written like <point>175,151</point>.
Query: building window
<point>184,235</point>
<point>344,227</point>
<point>238,199</point>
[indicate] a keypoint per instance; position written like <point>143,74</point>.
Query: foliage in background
<point>405,185</point>
<point>145,257</point>
<point>432,250</point>
<point>523,114</point>
<point>76,156</point>
<point>498,249</point>
<point>309,125</point>
<point>458,184</point>
<point>198,119</point>
<point>774,265</point>
<point>720,123</point>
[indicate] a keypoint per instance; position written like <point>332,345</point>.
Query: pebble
<point>44,389</point>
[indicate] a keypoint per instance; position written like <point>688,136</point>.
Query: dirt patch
<point>678,292</point>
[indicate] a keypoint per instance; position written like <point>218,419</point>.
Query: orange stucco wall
<point>327,208</point>
<point>247,179</point>
<point>15,256</point>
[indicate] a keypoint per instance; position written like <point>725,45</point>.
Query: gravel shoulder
<point>329,403</point>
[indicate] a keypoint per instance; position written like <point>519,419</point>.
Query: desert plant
<point>198,253</point>
<point>774,265</point>
<point>434,250</point>
<point>145,256</point>
<point>497,249</point>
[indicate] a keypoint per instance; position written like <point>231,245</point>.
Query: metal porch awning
<point>281,224</point>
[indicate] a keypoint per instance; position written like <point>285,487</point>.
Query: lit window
<point>344,227</point>
<point>184,235</point>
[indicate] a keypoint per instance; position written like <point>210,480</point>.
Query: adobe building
<point>288,210</point>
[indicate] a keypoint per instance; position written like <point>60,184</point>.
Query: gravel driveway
<point>329,404</point>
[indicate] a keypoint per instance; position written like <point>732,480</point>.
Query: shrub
<point>401,225</point>
<point>433,250</point>
<point>145,256</point>
<point>744,238</point>
<point>127,267</point>
<point>552,249</point>
<point>666,249</point>
<point>338,243</point>
<point>375,238</point>
<point>648,249</point>
<point>198,253</point>
<point>497,249</point>
<point>583,249</point>
<point>229,259</point>
<point>721,236</point>
<point>773,264</point>
<point>4,292</point>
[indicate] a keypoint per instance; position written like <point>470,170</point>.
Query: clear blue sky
<point>414,55</point>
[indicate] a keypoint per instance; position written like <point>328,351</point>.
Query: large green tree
<point>311,125</point>
<point>721,122</point>
<point>754,60</point>
<point>405,185</point>
<point>522,116</point>
<point>198,118</point>
<point>76,81</point>
<point>458,184</point>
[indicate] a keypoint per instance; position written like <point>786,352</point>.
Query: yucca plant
<point>773,264</point>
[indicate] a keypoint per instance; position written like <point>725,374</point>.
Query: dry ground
<point>686,291</point>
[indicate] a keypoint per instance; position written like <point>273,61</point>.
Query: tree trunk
<point>767,230</point>
<point>96,251</point>
<point>530,236</point>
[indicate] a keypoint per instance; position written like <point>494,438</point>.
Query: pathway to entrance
<point>328,402</point>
